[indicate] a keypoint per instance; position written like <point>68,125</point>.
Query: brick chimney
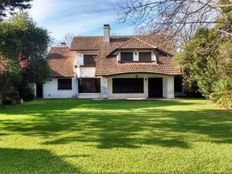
<point>106,29</point>
<point>63,44</point>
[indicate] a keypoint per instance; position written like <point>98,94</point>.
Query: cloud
<point>77,16</point>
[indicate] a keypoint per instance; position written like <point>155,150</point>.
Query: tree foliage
<point>9,79</point>
<point>222,94</point>
<point>22,40</point>
<point>204,62</point>
<point>9,6</point>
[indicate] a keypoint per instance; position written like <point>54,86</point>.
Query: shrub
<point>222,94</point>
<point>26,92</point>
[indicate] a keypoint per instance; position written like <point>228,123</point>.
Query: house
<point>111,67</point>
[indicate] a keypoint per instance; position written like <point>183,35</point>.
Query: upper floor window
<point>89,60</point>
<point>126,56</point>
<point>145,56</point>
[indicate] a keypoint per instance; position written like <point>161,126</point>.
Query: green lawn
<point>84,136</point>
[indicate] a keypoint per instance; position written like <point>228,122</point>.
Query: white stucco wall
<point>50,89</point>
<point>168,86</point>
<point>87,72</point>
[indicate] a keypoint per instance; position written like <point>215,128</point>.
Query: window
<point>126,56</point>
<point>178,83</point>
<point>64,84</point>
<point>89,60</point>
<point>145,56</point>
<point>128,85</point>
<point>89,85</point>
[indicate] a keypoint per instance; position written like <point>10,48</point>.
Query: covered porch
<point>137,86</point>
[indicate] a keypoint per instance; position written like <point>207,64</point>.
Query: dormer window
<point>145,56</point>
<point>126,56</point>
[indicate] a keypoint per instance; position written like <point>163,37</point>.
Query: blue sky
<point>79,17</point>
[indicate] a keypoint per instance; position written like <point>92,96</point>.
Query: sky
<point>78,17</point>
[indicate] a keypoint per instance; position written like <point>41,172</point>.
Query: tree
<point>205,62</point>
<point>9,6</point>
<point>25,43</point>
<point>9,78</point>
<point>179,18</point>
<point>68,38</point>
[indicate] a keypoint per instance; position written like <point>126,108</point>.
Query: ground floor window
<point>89,85</point>
<point>128,85</point>
<point>64,84</point>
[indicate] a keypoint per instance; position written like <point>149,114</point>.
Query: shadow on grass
<point>120,124</point>
<point>32,161</point>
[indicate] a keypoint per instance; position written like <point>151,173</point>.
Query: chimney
<point>63,44</point>
<point>106,29</point>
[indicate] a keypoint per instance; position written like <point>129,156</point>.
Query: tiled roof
<point>136,43</point>
<point>82,43</point>
<point>110,66</point>
<point>107,64</point>
<point>62,62</point>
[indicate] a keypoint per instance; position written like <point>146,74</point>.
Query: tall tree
<point>68,38</point>
<point>205,62</point>
<point>9,6</point>
<point>177,17</point>
<point>22,41</point>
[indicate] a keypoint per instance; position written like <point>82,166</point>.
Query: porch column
<point>168,87</point>
<point>104,88</point>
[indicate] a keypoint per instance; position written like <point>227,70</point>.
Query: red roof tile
<point>107,64</point>
<point>62,62</point>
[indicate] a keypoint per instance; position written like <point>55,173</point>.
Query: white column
<point>119,56</point>
<point>153,57</point>
<point>146,86</point>
<point>168,87</point>
<point>104,87</point>
<point>80,58</point>
<point>135,56</point>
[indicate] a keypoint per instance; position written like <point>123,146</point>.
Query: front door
<point>155,87</point>
<point>39,91</point>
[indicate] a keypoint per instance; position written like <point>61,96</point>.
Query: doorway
<point>39,91</point>
<point>155,87</point>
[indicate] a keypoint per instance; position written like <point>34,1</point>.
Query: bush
<point>26,92</point>
<point>223,93</point>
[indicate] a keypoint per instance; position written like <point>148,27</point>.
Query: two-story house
<point>110,67</point>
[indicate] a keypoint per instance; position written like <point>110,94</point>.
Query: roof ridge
<point>115,35</point>
<point>136,37</point>
<point>88,36</point>
<point>125,42</point>
<point>145,42</point>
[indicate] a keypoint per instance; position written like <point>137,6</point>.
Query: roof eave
<point>112,74</point>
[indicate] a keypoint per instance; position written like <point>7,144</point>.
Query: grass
<point>84,136</point>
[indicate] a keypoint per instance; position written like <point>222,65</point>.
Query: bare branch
<point>174,16</point>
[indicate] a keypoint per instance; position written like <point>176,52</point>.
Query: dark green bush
<point>26,92</point>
